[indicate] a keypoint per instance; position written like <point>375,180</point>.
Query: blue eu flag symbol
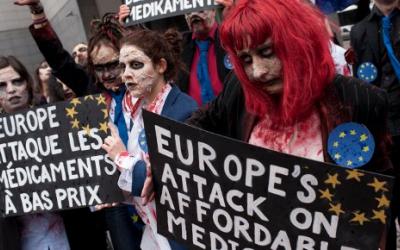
<point>351,145</point>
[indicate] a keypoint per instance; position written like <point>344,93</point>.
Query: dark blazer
<point>189,48</point>
<point>367,42</point>
<point>345,100</point>
<point>364,39</point>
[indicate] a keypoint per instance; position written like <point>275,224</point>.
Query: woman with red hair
<point>284,94</point>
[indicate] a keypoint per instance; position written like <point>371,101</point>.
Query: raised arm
<point>61,62</point>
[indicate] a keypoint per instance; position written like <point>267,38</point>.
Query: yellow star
<point>337,209</point>
<point>71,112</point>
<point>88,97</point>
<point>326,194</point>
<point>336,144</point>
<point>103,127</point>
<point>75,123</point>
<point>360,158</point>
<point>349,163</point>
<point>333,180</point>
<point>354,174</point>
<point>86,129</point>
<point>379,215</point>
<point>75,101</point>
<point>359,217</point>
<point>134,218</point>
<point>101,100</point>
<point>105,111</point>
<point>383,201</point>
<point>378,185</point>
<point>363,137</point>
<point>353,132</point>
<point>337,156</point>
<point>365,149</point>
<point>342,135</point>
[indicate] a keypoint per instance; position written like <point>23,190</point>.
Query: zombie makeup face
<point>79,53</point>
<point>105,63</point>
<point>200,22</point>
<point>139,73</point>
<point>14,93</point>
<point>263,67</point>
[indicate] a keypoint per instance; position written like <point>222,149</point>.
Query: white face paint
<point>14,93</point>
<point>263,67</point>
<point>138,72</point>
<point>200,22</point>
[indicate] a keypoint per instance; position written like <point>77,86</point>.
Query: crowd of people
<point>269,74</point>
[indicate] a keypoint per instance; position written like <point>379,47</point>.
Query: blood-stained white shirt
<point>126,162</point>
<point>302,139</point>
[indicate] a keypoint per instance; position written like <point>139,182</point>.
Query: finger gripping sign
<point>149,10</point>
<point>213,192</point>
<point>51,158</point>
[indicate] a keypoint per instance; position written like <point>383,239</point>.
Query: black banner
<point>218,193</point>
<point>51,158</point>
<point>149,10</point>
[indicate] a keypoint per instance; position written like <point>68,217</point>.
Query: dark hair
<point>105,31</point>
<point>157,46</point>
<point>55,91</point>
<point>37,86</point>
<point>6,61</point>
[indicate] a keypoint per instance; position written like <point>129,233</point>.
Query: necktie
<point>386,27</point>
<point>119,119</point>
<point>207,93</point>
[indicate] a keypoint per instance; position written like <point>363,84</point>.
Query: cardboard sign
<point>149,10</point>
<point>51,158</point>
<point>217,193</point>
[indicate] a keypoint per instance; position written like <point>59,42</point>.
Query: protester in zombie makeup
<point>206,62</point>
<point>149,66</point>
<point>34,231</point>
<point>285,95</point>
<point>86,230</point>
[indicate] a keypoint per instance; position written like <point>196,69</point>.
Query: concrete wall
<point>16,40</point>
<point>69,18</point>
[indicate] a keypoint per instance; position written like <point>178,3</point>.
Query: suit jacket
<point>366,40</point>
<point>189,48</point>
<point>345,100</point>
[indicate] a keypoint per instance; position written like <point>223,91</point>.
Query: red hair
<point>299,39</point>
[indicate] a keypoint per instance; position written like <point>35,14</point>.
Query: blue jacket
<point>178,106</point>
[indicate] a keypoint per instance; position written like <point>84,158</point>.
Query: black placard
<point>149,10</point>
<point>51,158</point>
<point>213,192</point>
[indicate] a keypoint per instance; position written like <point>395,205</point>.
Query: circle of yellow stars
<point>358,217</point>
<point>371,73</point>
<point>363,137</point>
<point>72,113</point>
